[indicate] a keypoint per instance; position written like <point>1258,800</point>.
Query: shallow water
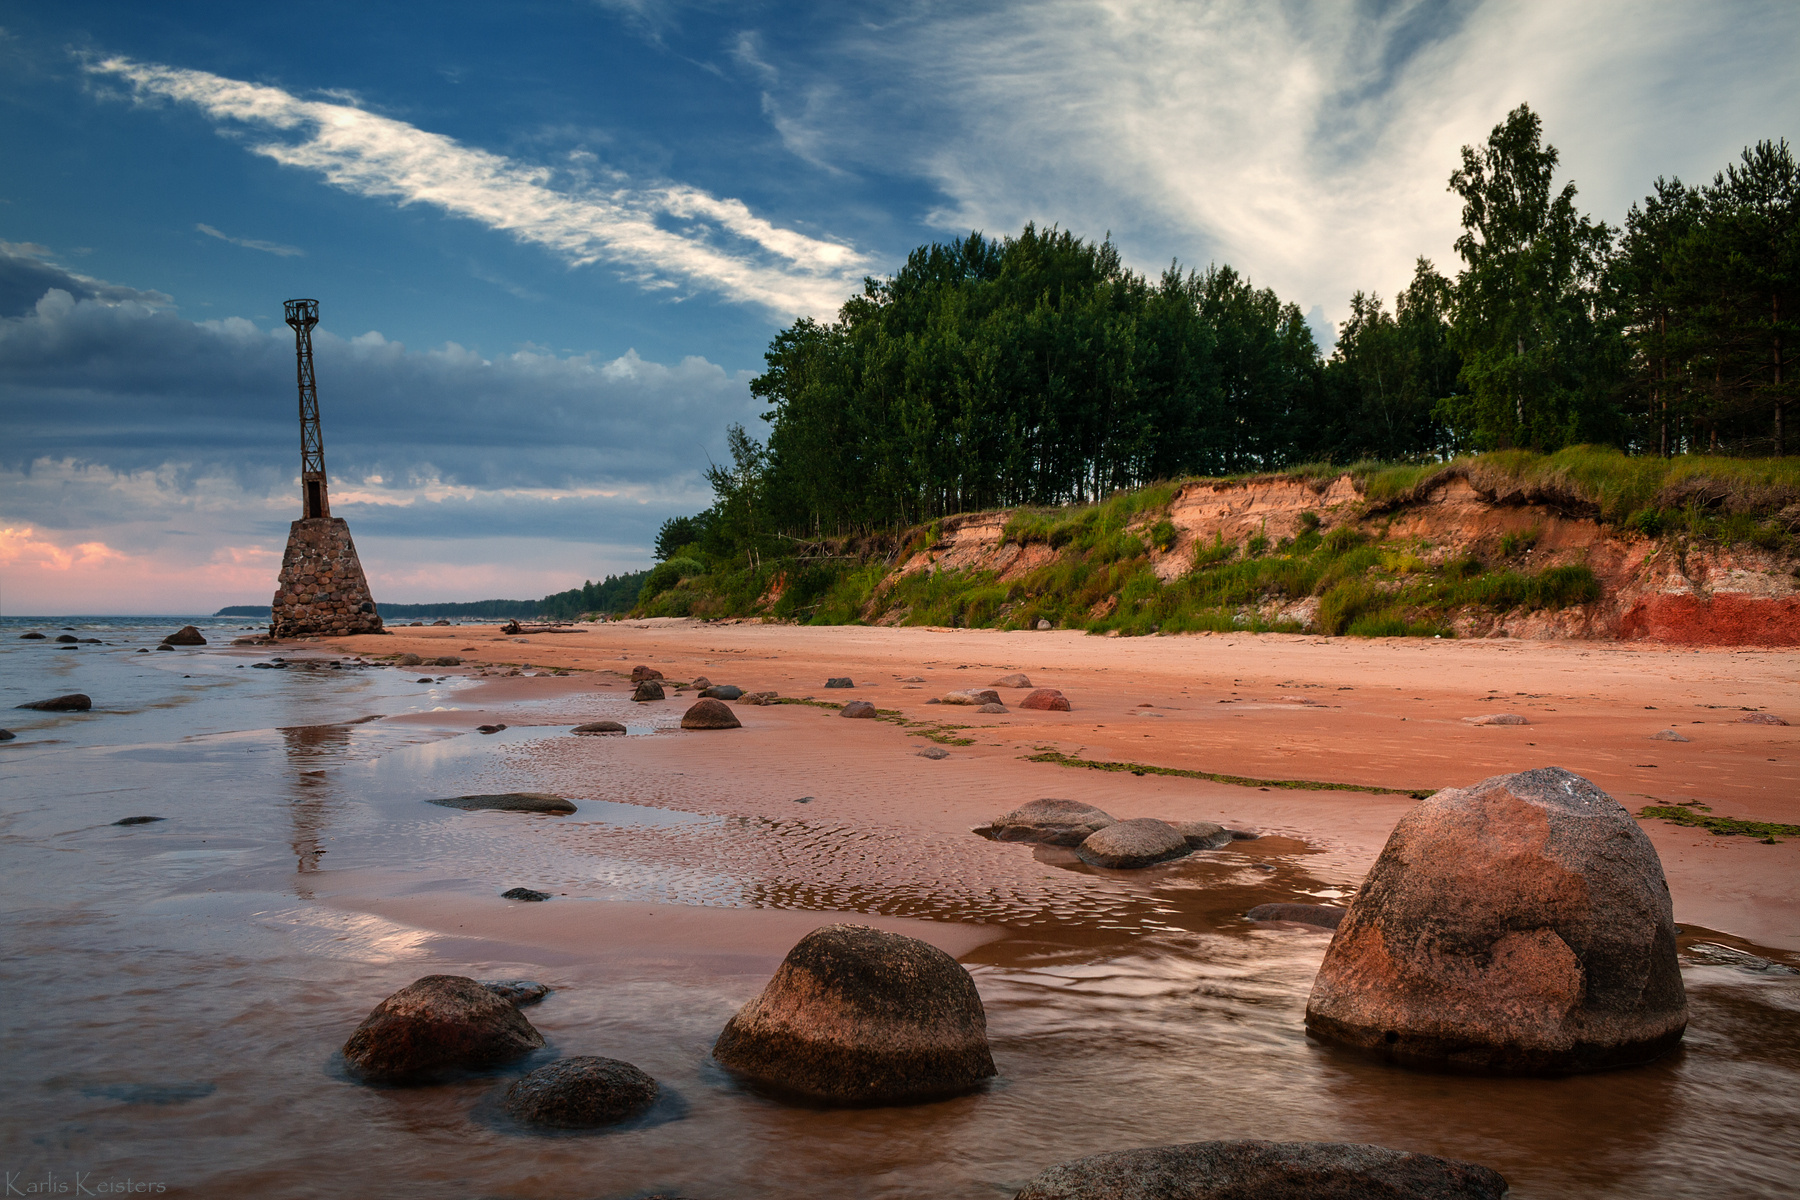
<point>176,993</point>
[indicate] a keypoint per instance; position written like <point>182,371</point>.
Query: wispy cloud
<point>663,234</point>
<point>252,243</point>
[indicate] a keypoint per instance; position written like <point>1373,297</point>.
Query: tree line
<point>1038,370</point>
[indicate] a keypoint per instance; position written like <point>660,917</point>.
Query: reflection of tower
<point>310,749</point>
<point>322,588</point>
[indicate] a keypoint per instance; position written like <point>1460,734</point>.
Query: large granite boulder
<point>187,635</point>
<point>1046,700</point>
<point>438,1026</point>
<point>1050,821</point>
<point>858,1016</point>
<point>1520,925</point>
<point>1266,1171</point>
<point>580,1093</point>
<point>709,714</point>
<point>73,702</point>
<point>1127,845</point>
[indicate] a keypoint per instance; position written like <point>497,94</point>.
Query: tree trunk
<point>1780,397</point>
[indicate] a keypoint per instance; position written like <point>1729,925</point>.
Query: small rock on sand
<point>934,752</point>
<point>994,707</point>
<point>1046,700</point>
<point>530,802</point>
<point>523,893</point>
<point>858,1016</point>
<point>723,691</point>
<point>913,679</point>
<point>489,728</point>
<point>1669,735</point>
<point>1042,623</point>
<point>1760,719</point>
<point>585,1092</point>
<point>447,660</point>
<point>408,660</point>
<point>973,696</point>
<point>1497,719</point>
<point>599,727</point>
<point>521,992</point>
<point>858,708</point>
<point>701,683</point>
<point>1127,845</point>
<point>640,673</point>
<point>438,1024</point>
<point>1325,916</point>
<point>1012,681</point>
<point>1279,1170</point>
<point>1051,821</point>
<point>648,689</point>
<point>839,681</point>
<point>761,698</point>
<point>1203,835</point>
<point>710,714</point>
<point>187,635</point>
<point>73,702</point>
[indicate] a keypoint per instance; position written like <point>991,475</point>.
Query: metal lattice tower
<point>315,500</point>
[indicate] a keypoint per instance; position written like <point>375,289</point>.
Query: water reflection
<point>311,750</point>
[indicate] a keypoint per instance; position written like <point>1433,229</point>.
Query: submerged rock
<point>855,1016</point>
<point>489,728</point>
<point>1046,700</point>
<point>858,709</point>
<point>31,636</point>
<point>1266,1171</point>
<point>1051,821</point>
<point>580,1093</point>
<point>710,714</point>
<point>531,802</point>
<point>1520,925</point>
<point>520,992</point>
<point>68,639</point>
<point>187,635</point>
<point>1325,916</point>
<point>648,689</point>
<point>723,691</point>
<point>438,1025</point>
<point>1203,835</point>
<point>1126,845</point>
<point>599,727</point>
<point>73,702</point>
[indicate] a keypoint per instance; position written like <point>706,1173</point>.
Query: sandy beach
<point>1386,713</point>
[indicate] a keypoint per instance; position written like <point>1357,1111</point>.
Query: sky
<point>551,240</point>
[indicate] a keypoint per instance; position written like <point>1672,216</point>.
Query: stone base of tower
<point>322,589</point>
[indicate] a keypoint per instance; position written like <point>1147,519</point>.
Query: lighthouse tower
<point>322,589</point>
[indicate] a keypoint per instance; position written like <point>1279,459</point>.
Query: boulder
<point>580,1093</point>
<point>839,681</point>
<point>973,696</point>
<point>439,1025</point>
<point>1043,623</point>
<point>408,660</point>
<point>599,727</point>
<point>995,707</point>
<point>1520,925</point>
<point>1668,735</point>
<point>524,893</point>
<point>519,992</point>
<point>1203,835</point>
<point>167,647</point>
<point>32,636</point>
<point>934,752</point>
<point>1267,1171</point>
<point>1325,916</point>
<point>723,691</point>
<point>69,639</point>
<point>859,709</point>
<point>1050,821</point>
<point>710,714</point>
<point>855,1016</point>
<point>1046,699</point>
<point>1497,719</point>
<point>701,683</point>
<point>7,735</point>
<point>447,660</point>
<point>1012,681</point>
<point>1760,719</point>
<point>640,673</point>
<point>138,820</point>
<point>531,802</point>
<point>187,635</point>
<point>73,702</point>
<point>647,689</point>
<point>760,698</point>
<point>1127,845</point>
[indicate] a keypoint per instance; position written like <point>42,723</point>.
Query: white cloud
<point>252,243</point>
<point>663,234</point>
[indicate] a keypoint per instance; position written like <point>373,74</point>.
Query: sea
<point>175,990</point>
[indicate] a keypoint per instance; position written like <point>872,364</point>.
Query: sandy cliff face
<point>1657,589</point>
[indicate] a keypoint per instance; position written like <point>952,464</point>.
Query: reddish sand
<point>1382,713</point>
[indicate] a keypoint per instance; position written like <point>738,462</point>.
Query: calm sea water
<point>175,991</point>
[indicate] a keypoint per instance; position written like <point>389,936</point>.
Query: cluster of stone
<point>322,589</point>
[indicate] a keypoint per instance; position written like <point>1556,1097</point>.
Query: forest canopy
<point>1037,369</point>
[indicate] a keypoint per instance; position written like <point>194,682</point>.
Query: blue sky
<point>551,240</point>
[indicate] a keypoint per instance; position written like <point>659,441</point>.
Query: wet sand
<point>1384,713</point>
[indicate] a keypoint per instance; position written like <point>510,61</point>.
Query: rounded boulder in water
<point>187,635</point>
<point>1052,821</point>
<point>580,1093</point>
<point>1521,925</point>
<point>435,1026</point>
<point>73,702</point>
<point>859,1016</point>
<point>1127,845</point>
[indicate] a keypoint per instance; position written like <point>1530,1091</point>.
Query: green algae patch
<point>1768,831</point>
<point>1310,785</point>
